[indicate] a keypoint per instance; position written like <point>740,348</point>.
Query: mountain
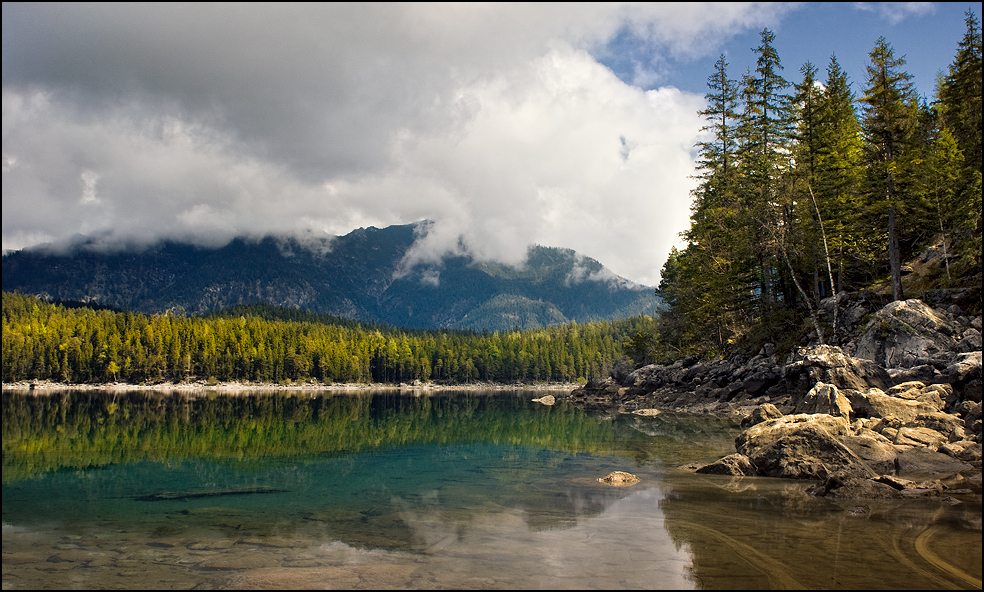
<point>357,276</point>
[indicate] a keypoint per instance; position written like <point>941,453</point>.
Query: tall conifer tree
<point>889,124</point>
<point>837,175</point>
<point>766,128</point>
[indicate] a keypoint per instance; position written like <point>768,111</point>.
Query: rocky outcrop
<point>902,434</point>
<point>896,412</point>
<point>906,334</point>
<point>801,446</point>
<point>903,342</point>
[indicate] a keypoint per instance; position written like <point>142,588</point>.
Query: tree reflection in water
<point>454,490</point>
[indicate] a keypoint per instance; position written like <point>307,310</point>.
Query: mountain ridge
<point>359,276</point>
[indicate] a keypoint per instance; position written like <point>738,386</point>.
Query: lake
<point>449,490</point>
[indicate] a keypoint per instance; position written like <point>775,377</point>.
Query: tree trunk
<point>894,258</point>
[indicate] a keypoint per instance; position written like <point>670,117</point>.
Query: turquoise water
<point>451,490</point>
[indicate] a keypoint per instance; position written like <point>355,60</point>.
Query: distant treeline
<point>260,343</point>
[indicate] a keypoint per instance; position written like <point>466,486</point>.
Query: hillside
<point>356,276</point>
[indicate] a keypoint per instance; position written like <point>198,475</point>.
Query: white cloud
<point>495,121</point>
<point>896,12</point>
<point>89,179</point>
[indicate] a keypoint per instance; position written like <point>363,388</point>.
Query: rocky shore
<point>895,412</point>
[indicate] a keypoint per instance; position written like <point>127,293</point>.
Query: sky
<point>567,125</point>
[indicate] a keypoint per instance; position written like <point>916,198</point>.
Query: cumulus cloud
<point>499,123</point>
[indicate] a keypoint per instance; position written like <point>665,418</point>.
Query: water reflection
<point>768,533</point>
<point>452,490</point>
<point>81,429</point>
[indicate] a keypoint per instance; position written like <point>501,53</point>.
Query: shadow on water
<point>445,490</point>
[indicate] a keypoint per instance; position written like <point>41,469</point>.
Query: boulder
<point>875,403</point>
<point>763,412</point>
<point>906,334</point>
<point>925,373</point>
<point>877,451</point>
<point>801,446</point>
<point>970,341</point>
<point>922,464</point>
<point>736,465</point>
<point>965,450</point>
<point>825,398</point>
<point>964,373</point>
<point>919,437</point>
<point>619,479</point>
<point>830,365</point>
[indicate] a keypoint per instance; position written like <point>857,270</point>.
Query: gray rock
<point>970,341</point>
<point>736,465</point>
<point>924,373</point>
<point>875,403</point>
<point>830,365</point>
<point>763,412</point>
<point>825,398</point>
<point>965,367</point>
<point>905,334</point>
<point>965,376</point>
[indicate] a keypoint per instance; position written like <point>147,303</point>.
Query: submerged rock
<point>619,479</point>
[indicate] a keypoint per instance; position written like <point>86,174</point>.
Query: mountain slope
<point>356,276</point>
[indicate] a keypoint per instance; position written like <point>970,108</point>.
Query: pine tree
<point>837,175</point>
<point>889,125</point>
<point>960,93</point>
<point>766,129</point>
<point>959,101</point>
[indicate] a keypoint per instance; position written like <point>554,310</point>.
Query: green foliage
<point>260,343</point>
<point>812,192</point>
<point>644,347</point>
<point>83,429</point>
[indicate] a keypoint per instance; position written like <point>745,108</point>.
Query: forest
<point>810,189</point>
<point>265,344</point>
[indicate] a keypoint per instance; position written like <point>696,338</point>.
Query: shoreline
<point>46,386</point>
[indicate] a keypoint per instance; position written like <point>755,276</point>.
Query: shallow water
<point>450,490</point>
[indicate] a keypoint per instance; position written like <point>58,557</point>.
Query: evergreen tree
<point>766,130</point>
<point>960,93</point>
<point>836,177</point>
<point>959,101</point>
<point>889,124</point>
